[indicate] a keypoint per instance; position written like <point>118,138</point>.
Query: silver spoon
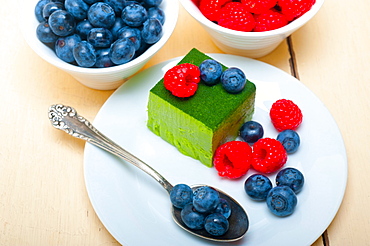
<point>66,118</point>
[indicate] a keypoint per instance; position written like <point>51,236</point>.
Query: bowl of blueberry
<point>251,28</point>
<point>100,43</point>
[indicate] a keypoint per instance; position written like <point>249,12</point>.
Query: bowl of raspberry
<point>251,28</point>
<point>101,43</point>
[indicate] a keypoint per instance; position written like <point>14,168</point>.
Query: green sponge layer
<point>199,124</point>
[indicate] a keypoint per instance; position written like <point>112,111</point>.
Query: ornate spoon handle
<point>66,118</point>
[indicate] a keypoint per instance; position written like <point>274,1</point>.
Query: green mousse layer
<point>197,125</point>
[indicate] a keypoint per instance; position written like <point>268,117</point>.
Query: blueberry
<point>117,5</point>
<point>101,15</point>
<point>122,51</point>
<point>45,34</point>
<point>128,2</point>
<point>90,2</point>
<point>216,224</point>
<point>100,37</point>
<point>143,47</point>
<point>64,47</point>
<point>290,140</point>
<point>83,28</point>
<point>152,31</point>
<point>50,8</point>
<point>205,199</point>
<point>290,177</point>
<point>132,33</point>
<point>39,9</point>
<point>210,71</point>
<point>102,58</point>
<point>118,24</point>
<point>84,54</point>
<point>157,13</point>
<point>281,200</point>
<point>62,23</point>
<point>152,3</point>
<point>257,186</point>
<point>192,218</point>
<point>78,8</point>
<point>251,131</point>
<point>180,195</point>
<point>223,208</point>
<point>134,15</point>
<point>233,80</point>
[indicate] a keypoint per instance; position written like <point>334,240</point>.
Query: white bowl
<point>250,44</point>
<point>96,78</point>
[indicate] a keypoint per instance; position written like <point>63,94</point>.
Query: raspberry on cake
<point>182,80</point>
<point>197,125</point>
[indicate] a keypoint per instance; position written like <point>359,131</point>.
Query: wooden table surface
<point>43,199</point>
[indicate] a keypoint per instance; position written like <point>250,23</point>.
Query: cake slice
<point>197,125</point>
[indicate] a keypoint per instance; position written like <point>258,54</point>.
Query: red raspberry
<point>233,159</point>
<point>196,2</point>
<point>235,16</point>
<point>268,155</point>
<point>270,20</point>
<point>182,80</point>
<point>259,6</point>
<point>285,115</point>
<point>211,8</point>
<point>293,9</point>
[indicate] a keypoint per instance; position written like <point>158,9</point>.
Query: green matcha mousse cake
<point>197,125</point>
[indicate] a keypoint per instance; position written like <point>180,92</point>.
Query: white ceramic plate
<point>136,210</point>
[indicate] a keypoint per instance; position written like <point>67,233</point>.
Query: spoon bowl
<point>238,220</point>
<point>66,118</point>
